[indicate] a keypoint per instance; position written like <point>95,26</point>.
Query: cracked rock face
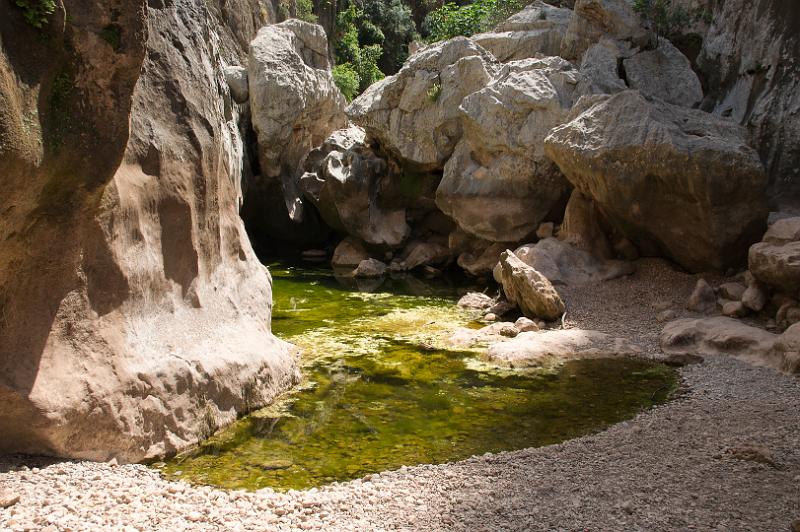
<point>676,181</point>
<point>294,102</point>
<point>136,317</point>
<point>499,185</point>
<point>414,115</point>
<point>537,29</point>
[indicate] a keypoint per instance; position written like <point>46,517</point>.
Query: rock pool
<point>382,390</point>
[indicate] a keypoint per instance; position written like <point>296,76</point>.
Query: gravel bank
<point>725,455</point>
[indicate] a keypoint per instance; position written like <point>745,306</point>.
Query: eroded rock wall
<point>135,316</point>
<point>751,60</point>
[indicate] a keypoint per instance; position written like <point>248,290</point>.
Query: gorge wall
<point>134,315</point>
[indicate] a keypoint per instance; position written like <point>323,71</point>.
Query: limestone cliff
<point>134,316</point>
<point>750,59</point>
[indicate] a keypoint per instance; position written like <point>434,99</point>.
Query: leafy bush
<point>301,9</point>
<point>434,92</point>
<point>305,10</point>
<point>667,19</point>
<point>452,20</point>
<point>360,57</point>
<point>347,79</point>
<point>393,18</point>
<point>36,12</point>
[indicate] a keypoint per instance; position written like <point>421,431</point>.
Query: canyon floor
<point>723,455</point>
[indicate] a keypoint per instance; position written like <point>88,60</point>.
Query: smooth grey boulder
<point>600,66</point>
<point>537,29</point>
<point>562,264</point>
<point>721,336</point>
<point>499,185</point>
<point>529,289</point>
<point>664,72</point>
<point>775,261</point>
<point>236,78</point>
<point>294,101</point>
<point>414,114</point>
<point>349,253</point>
<point>787,349</point>
<point>370,268</point>
<point>535,349</point>
<point>675,181</point>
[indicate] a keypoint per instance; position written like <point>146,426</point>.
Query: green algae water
<point>381,390</point>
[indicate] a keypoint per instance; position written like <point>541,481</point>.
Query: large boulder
<point>349,253</point>
<point>414,114</point>
<point>595,19</point>
<point>529,289</point>
<point>135,315</point>
<point>676,181</point>
<point>775,260</point>
<point>563,264</point>
<point>499,185</point>
<point>343,184</point>
<point>294,101</point>
<point>537,29</point>
<point>721,336</point>
<point>664,72</point>
<point>601,66</point>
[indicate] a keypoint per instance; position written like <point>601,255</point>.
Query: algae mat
<point>382,391</point>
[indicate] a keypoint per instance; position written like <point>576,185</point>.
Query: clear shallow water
<point>382,390</point>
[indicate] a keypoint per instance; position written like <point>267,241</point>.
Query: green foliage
<point>452,20</point>
<point>36,12</point>
<point>112,34</point>
<point>667,19</point>
<point>353,54</point>
<point>305,10</point>
<point>393,18</point>
<point>434,92</point>
<point>347,79</point>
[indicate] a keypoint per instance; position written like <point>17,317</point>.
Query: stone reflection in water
<point>381,391</point>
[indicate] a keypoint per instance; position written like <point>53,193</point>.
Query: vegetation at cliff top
<point>36,12</point>
<point>452,20</point>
